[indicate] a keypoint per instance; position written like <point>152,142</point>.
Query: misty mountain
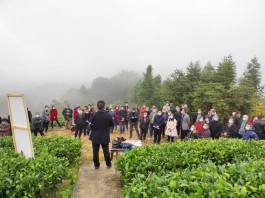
<point>116,89</point>
<point>36,96</point>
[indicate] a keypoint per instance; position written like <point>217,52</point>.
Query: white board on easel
<point>20,124</point>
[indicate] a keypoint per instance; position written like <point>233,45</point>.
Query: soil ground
<point>96,183</point>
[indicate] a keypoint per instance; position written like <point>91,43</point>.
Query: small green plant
<point>21,177</point>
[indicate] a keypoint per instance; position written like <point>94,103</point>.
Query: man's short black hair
<point>101,104</point>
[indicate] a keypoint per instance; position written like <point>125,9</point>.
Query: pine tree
<point>208,73</point>
<point>145,90</point>
<point>226,72</point>
<point>194,72</point>
<point>253,74</point>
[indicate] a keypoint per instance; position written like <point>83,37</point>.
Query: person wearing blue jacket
<point>158,127</point>
<point>250,133</point>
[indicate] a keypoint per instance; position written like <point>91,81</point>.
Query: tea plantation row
<point>21,177</point>
<point>198,168</point>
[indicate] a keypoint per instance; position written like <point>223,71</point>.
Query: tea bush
<point>143,164</point>
<point>21,177</point>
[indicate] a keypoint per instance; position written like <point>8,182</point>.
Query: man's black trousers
<point>106,152</point>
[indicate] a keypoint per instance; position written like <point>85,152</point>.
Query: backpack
<point>117,142</point>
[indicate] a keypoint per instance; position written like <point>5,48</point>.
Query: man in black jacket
<point>216,127</point>
<point>237,120</point>
<point>134,117</point>
<point>259,127</point>
<point>79,123</point>
<point>178,117</point>
<point>37,125</point>
<point>101,123</point>
<point>123,117</point>
<point>158,126</point>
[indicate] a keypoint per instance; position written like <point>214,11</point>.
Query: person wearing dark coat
<point>113,115</point>
<point>134,117</point>
<point>158,127</point>
<point>79,123</point>
<point>101,123</point>
<point>144,125</point>
<point>5,128</point>
<point>87,116</point>
<point>123,117</point>
<point>237,120</point>
<point>231,129</point>
<point>37,125</point>
<point>178,117</point>
<point>197,116</point>
<point>127,108</point>
<point>259,127</point>
<point>216,127</point>
<point>46,118</point>
<point>29,115</point>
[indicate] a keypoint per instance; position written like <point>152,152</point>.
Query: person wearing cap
<point>37,124</point>
<point>54,116</point>
<point>46,118</point>
<point>5,129</point>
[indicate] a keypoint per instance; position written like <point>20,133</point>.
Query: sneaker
<point>96,167</point>
<point>108,167</point>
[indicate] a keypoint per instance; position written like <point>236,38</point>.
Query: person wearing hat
<point>5,129</point>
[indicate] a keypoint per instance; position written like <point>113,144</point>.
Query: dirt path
<point>95,183</point>
<point>99,183</point>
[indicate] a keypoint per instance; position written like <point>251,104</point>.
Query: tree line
<point>204,87</point>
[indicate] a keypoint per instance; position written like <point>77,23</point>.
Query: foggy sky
<point>76,41</point>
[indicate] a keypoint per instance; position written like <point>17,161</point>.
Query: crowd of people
<point>173,122</point>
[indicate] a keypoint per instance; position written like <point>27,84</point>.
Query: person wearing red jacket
<point>76,111</point>
<point>54,116</point>
<point>199,125</point>
<point>143,109</point>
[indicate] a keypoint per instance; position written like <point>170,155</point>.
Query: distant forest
<point>203,87</point>
<point>116,90</point>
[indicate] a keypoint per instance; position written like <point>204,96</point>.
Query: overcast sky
<point>76,41</point>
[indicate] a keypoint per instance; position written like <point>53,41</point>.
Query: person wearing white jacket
<point>171,129</point>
